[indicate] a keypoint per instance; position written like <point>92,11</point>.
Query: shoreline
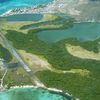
<point>40,9</point>
<point>52,90</point>
<point>33,86</point>
<point>25,6</point>
<point>56,6</point>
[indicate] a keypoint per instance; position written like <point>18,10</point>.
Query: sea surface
<point>31,94</point>
<point>6,5</point>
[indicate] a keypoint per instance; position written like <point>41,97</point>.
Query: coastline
<point>52,90</point>
<point>33,86</point>
<point>56,6</point>
<point>40,9</point>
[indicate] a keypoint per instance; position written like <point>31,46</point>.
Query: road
<point>14,52</point>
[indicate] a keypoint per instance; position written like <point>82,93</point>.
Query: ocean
<point>32,94</point>
<point>6,5</point>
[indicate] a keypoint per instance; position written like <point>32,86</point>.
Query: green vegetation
<point>86,88</point>
<point>89,45</point>
<point>57,21</point>
<point>5,54</point>
<point>17,77</point>
<point>83,87</point>
<point>2,21</point>
<point>56,54</point>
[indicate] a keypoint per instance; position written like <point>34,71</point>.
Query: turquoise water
<point>10,4</point>
<point>61,20</point>
<point>31,94</point>
<point>23,17</point>
<point>81,31</point>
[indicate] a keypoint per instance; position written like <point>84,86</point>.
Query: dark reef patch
<point>2,1</point>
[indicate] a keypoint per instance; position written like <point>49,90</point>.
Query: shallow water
<point>81,31</point>
<point>31,94</point>
<point>55,22</point>
<point>10,4</point>
<point>23,17</point>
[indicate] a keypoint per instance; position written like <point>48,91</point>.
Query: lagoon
<point>23,17</point>
<point>81,31</point>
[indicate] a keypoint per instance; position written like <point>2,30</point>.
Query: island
<point>49,55</point>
